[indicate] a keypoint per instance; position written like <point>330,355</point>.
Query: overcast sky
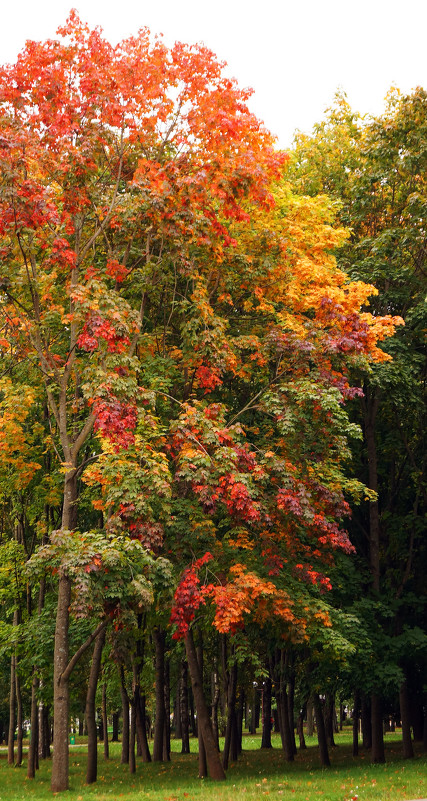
<point>293,54</point>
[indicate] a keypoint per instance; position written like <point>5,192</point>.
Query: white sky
<point>293,54</point>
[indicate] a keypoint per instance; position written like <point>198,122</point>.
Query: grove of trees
<point>212,392</point>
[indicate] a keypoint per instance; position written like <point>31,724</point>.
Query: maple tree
<point>179,308</point>
<point>105,154</point>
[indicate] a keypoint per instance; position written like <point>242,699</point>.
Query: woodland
<point>213,405</point>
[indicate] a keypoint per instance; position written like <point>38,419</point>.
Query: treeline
<point>212,457</point>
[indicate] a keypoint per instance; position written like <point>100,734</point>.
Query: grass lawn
<point>257,775</point>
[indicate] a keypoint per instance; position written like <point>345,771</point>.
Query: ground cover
<point>257,775</point>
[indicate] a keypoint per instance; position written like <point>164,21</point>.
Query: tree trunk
<point>213,760</point>
<point>132,739</point>
<point>105,721</point>
<point>90,710</point>
<point>12,702</point>
<point>291,712</point>
<point>215,692</point>
<point>378,755</point>
<point>310,718</point>
<point>329,719</point>
<point>19,718</point>
<point>167,723</point>
<point>125,716</point>
<point>300,730</point>
<point>230,744</point>
<point>321,733</point>
<point>33,746</point>
<point>266,714</point>
<point>44,732</point>
<point>141,725</point>
<point>366,723</point>
<point>203,765</point>
<point>356,706</point>
<point>183,709</point>
<point>115,734</point>
<point>408,751</point>
<point>159,731</point>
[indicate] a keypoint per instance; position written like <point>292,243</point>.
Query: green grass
<point>258,775</point>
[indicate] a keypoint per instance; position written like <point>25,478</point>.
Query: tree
<point>375,170</point>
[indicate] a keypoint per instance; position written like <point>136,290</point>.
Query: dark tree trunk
<point>159,731</point>
<point>183,708</point>
<point>44,732</point>
<point>321,733</point>
<point>230,744</point>
<point>203,765</point>
<point>300,730</point>
<point>266,714</point>
<point>366,723</point>
<point>125,717</point>
<point>132,739</point>
<point>90,711</point>
<point>356,709</point>
<point>115,733</point>
<point>12,712</point>
<point>310,719</point>
<point>167,725</point>
<point>329,719</point>
<point>285,729</point>
<point>215,692</point>
<point>33,746</point>
<point>59,779</point>
<point>105,721</point>
<point>378,755</point>
<point>239,721</point>
<point>19,719</point>
<point>213,760</point>
<point>408,751</point>
<point>81,725</point>
<point>141,725</point>
<point>291,712</point>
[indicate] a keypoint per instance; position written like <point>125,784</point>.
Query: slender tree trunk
<point>33,746</point>
<point>230,745</point>
<point>167,725</point>
<point>19,718</point>
<point>215,692</point>
<point>329,719</point>
<point>44,732</point>
<point>115,734</point>
<point>366,723</point>
<point>310,718</point>
<point>125,716</point>
<point>300,730</point>
<point>159,640</point>
<point>214,766</point>
<point>183,709</point>
<point>90,711</point>
<point>321,733</point>
<point>408,751</point>
<point>378,755</point>
<point>105,721</point>
<point>59,780</point>
<point>266,714</point>
<point>203,765</point>
<point>356,708</point>
<point>132,739</point>
<point>12,712</point>
<point>291,711</point>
